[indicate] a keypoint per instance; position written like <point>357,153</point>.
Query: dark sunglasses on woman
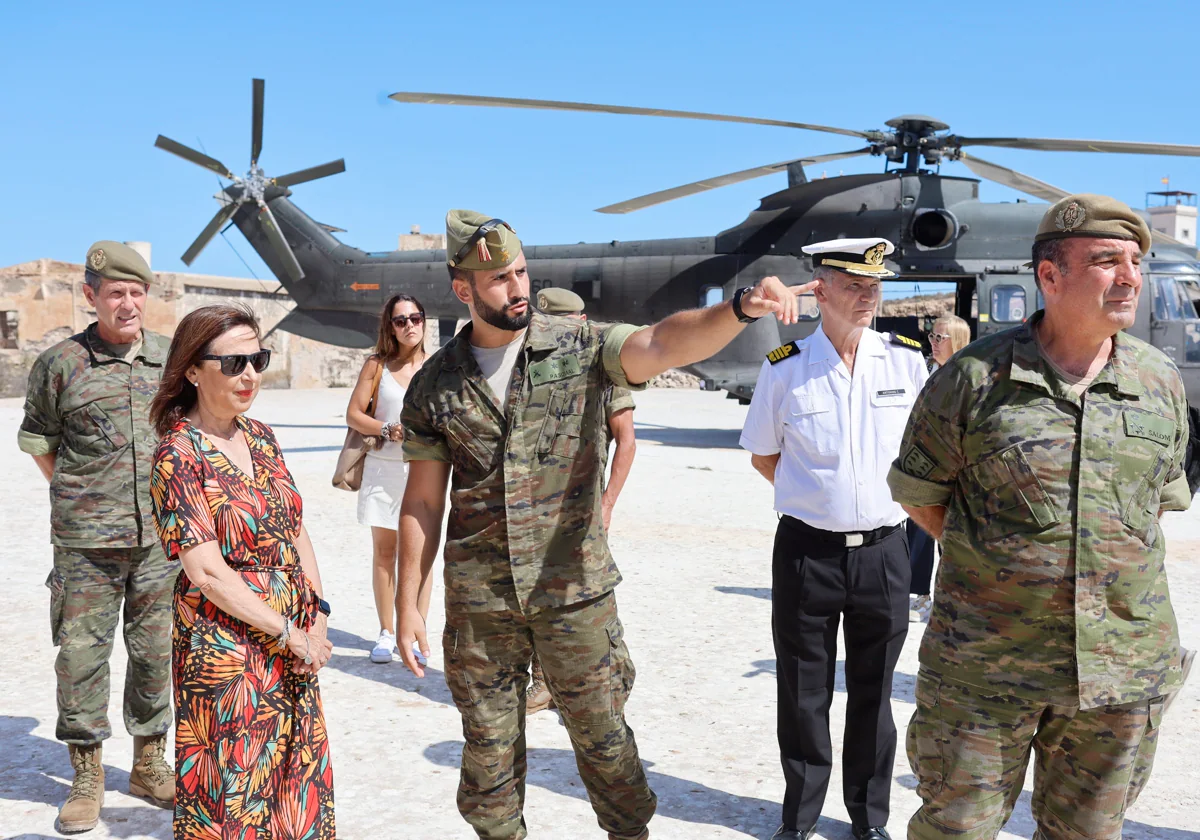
<point>416,319</point>
<point>234,364</point>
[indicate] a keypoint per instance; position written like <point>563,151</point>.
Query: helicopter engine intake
<point>934,228</point>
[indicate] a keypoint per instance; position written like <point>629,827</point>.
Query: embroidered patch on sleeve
<point>916,462</point>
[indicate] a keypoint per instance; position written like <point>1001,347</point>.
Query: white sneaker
<point>919,608</point>
<point>420,657</point>
<point>382,652</point>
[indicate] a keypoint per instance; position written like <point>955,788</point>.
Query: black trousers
<point>920,546</point>
<point>814,583</point>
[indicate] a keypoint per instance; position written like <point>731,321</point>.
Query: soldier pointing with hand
<point>511,413</point>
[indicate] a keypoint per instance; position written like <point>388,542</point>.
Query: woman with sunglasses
<point>399,353</point>
<point>249,636</point>
<point>948,335</point>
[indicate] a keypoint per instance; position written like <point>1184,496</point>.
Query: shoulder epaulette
<point>905,341</point>
<point>780,353</point>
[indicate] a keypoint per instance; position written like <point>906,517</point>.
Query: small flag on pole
<point>1166,181</point>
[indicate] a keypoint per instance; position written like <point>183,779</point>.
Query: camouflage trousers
<point>589,673</point>
<point>88,588</point>
<point>969,749</point>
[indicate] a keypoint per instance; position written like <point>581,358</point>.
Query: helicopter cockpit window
<point>807,309</point>
<point>1170,304</point>
<point>1008,304</point>
<point>711,295</point>
<point>1190,287</point>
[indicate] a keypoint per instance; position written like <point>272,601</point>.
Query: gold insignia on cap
<point>874,254</point>
<point>1070,217</point>
<point>98,260</point>
<point>504,255</point>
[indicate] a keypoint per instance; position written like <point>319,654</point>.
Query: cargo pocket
<point>925,738</point>
<point>623,672</point>
<point>1141,511</point>
<point>1007,498</point>
<point>456,677</point>
<point>58,594</point>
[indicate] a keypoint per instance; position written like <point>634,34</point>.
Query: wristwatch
<point>323,605</point>
<point>737,305</point>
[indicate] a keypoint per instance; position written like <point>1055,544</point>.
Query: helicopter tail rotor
<point>252,188</point>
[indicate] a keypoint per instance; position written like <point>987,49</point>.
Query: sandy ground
<point>692,534</point>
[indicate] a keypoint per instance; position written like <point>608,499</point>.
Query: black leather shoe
<point>785,833</point>
<point>877,832</point>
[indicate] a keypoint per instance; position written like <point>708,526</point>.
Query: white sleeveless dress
<point>384,472</point>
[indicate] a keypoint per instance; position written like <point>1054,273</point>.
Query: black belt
<point>850,539</point>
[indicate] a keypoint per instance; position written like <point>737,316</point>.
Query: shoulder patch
<point>905,341</point>
<point>780,353</point>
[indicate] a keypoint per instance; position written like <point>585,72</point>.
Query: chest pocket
<point>93,429</point>
<point>474,443</point>
<point>1140,470</point>
<point>562,430</point>
<point>890,408</point>
<point>813,418</point>
<point>1004,496</point>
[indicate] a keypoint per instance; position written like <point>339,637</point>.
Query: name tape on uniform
<point>550,370</point>
<point>1158,429</point>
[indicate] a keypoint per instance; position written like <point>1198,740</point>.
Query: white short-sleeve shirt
<point>836,434</point>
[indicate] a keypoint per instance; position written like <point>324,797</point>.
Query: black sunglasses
<point>416,319</point>
<point>234,364</point>
<point>484,229</point>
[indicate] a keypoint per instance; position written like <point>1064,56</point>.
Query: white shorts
<point>381,492</point>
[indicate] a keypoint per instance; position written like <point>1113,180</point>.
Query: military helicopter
<point>943,234</point>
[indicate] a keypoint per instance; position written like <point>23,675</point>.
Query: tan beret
<point>498,248</point>
<point>117,261</point>
<point>1098,216</point>
<point>555,301</point>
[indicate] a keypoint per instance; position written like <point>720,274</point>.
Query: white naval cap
<point>853,256</point>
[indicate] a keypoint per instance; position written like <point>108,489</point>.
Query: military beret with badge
<point>555,301</point>
<point>117,261</point>
<point>475,242</point>
<point>1099,216</point>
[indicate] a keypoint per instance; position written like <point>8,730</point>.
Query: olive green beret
<point>498,248</point>
<point>554,301</point>
<point>1098,216</point>
<point>117,261</point>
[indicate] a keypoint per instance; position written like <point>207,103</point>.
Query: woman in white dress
<point>401,352</point>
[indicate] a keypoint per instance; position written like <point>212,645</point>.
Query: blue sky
<point>87,87</point>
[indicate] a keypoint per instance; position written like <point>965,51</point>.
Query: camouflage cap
<point>1099,216</point>
<point>497,248</point>
<point>117,261</point>
<point>554,301</point>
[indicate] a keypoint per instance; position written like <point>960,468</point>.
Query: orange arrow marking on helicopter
<point>365,287</point>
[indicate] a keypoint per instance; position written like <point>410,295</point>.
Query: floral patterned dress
<point>251,750</point>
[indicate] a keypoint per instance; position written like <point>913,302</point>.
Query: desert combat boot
<point>81,811</point>
<point>151,777</point>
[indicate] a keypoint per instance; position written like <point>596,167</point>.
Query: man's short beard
<point>501,321</point>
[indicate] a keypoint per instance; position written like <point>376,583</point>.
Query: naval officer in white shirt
<point>824,427</point>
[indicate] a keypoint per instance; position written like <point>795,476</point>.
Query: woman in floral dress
<point>252,752</point>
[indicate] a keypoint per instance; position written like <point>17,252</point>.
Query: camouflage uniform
<point>91,407</point>
<point>528,568</point>
<point>1052,625</point>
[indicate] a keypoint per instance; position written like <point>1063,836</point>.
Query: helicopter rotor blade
<point>1012,178</point>
<point>721,181</point>
<point>190,154</point>
<point>284,251</point>
<point>311,174</point>
<point>256,121</point>
<point>554,105</point>
<point>210,230</point>
<point>1109,146</point>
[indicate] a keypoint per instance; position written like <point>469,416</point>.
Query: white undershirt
<point>497,364</point>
